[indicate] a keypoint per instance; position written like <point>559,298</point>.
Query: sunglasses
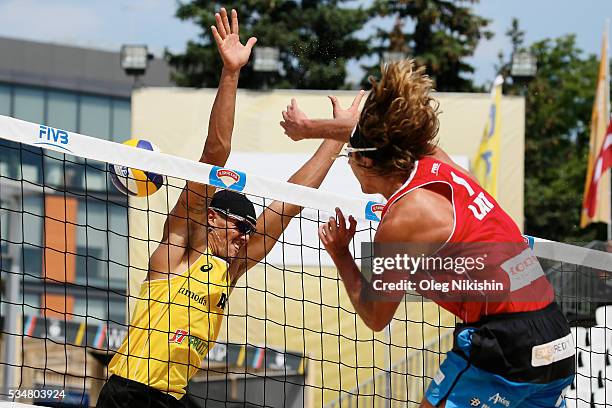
<point>241,225</point>
<point>348,151</point>
<point>245,228</point>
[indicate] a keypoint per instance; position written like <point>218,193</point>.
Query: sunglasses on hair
<point>348,151</point>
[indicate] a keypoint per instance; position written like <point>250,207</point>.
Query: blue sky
<point>108,24</point>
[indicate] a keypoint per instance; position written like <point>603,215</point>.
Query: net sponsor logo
<point>49,136</point>
<point>227,178</point>
<point>373,211</point>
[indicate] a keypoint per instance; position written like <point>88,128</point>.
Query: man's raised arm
<point>276,217</point>
<point>185,226</point>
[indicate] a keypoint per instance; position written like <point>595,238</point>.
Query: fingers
<point>251,42</point>
<point>235,28</point>
<point>341,220</point>
<point>285,116</point>
<point>334,102</point>
<point>323,234</point>
<point>225,20</point>
<point>352,226</point>
<point>357,99</point>
<point>220,26</point>
<point>216,35</point>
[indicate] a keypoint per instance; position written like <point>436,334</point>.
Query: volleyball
<point>136,182</point>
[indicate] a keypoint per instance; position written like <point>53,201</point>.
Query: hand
<point>294,122</point>
<point>335,236</point>
<point>351,113</point>
<point>233,53</point>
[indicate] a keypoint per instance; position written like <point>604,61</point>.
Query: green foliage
<point>558,113</point>
<point>444,34</point>
<point>315,38</point>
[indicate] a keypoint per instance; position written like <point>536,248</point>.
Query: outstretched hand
<point>352,112</point>
<point>335,235</point>
<point>298,126</point>
<point>233,53</point>
<point>294,122</point>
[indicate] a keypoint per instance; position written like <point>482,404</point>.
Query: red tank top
<point>478,218</point>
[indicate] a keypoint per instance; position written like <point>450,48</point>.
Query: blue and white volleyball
<point>134,182</point>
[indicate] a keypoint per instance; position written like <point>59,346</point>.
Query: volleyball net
<point>75,250</point>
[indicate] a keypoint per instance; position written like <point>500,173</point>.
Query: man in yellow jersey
<point>210,240</point>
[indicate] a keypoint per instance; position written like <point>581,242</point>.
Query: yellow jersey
<point>175,322</point>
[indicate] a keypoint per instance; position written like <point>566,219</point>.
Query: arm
<point>185,227</point>
<point>420,226</point>
<point>298,126</point>
<point>276,217</point>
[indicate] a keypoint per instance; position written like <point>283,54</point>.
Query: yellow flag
<point>486,161</point>
<point>600,117</point>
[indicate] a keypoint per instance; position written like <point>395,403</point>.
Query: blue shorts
<point>463,385</point>
<point>513,360</point>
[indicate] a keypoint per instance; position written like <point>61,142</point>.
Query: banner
<point>596,205</point>
<point>486,162</point>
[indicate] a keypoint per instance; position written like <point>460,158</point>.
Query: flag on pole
<point>486,162</point>
<point>602,164</point>
<point>596,204</point>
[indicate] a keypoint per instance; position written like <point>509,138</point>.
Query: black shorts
<point>534,347</point>
<point>119,392</point>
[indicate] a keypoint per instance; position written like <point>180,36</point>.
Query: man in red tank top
<point>515,350</point>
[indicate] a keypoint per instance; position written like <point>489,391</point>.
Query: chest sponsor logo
<point>196,297</point>
<point>179,336</point>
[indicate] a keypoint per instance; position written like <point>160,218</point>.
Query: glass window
<point>95,116</point>
<point>62,110</point>
<point>29,104</point>
<point>121,120</point>
<point>31,302</point>
<point>5,100</point>
<point>118,246</point>
<point>89,307</point>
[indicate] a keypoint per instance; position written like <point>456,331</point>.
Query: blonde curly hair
<point>400,117</point>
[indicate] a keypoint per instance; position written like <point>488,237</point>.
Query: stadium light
<point>134,60</point>
<point>266,59</point>
<point>524,65</point>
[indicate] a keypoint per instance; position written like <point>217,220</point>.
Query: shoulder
<point>422,215</point>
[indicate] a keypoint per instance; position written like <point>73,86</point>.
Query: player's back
<point>482,226</point>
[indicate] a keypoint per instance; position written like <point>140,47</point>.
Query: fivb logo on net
<point>227,178</point>
<point>50,136</point>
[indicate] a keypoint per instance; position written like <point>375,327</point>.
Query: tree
<point>558,103</point>
<point>444,34</point>
<point>315,38</point>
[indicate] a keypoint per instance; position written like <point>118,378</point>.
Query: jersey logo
<point>206,268</point>
<point>222,301</point>
<point>435,168</point>
<point>178,336</point>
<point>481,205</point>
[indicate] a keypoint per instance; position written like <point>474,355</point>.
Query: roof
<point>73,68</point>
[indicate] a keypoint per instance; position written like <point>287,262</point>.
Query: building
<point>62,235</point>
